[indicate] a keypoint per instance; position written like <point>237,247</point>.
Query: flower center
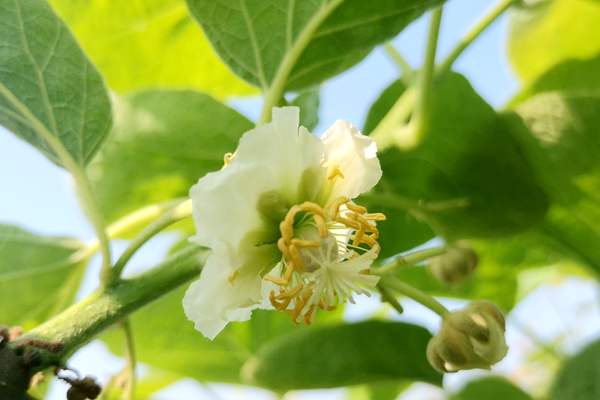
<point>312,239</point>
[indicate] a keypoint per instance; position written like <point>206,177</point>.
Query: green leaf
<point>579,377</point>
<point>308,102</point>
<point>341,355</point>
<point>39,275</point>
<point>467,178</point>
<point>166,340</point>
<point>159,149</point>
<point>491,388</point>
<point>50,94</point>
<point>148,43</point>
<point>569,76</point>
<point>546,33</point>
<point>383,104</point>
<point>563,143</point>
<point>304,42</point>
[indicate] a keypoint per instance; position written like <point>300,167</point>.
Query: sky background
<point>37,195</point>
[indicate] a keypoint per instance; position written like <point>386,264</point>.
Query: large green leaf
<point>162,143</point>
<point>39,275</point>
<point>491,388</point>
<point>563,143</point>
<point>546,33</point>
<point>467,177</point>
<point>305,41</point>
<point>50,94</point>
<point>341,355</point>
<point>148,43</point>
<point>166,340</point>
<point>579,377</point>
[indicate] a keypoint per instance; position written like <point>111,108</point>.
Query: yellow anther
<point>356,208</point>
<point>233,276</point>
<point>313,208</point>
<point>334,208</point>
<point>375,217</point>
<point>295,257</point>
<point>335,173</point>
<point>321,225</point>
<point>275,279</point>
<point>228,158</point>
<point>305,243</point>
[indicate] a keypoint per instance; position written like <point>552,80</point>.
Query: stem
<point>421,115</point>
<point>78,324</point>
<point>89,205</point>
<point>389,298</point>
<point>175,214</point>
<point>409,259</point>
<point>474,33</point>
<point>405,68</point>
<point>277,87</point>
<point>131,359</point>
<point>417,296</point>
<point>392,128</point>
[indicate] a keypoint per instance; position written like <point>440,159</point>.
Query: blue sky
<point>37,195</point>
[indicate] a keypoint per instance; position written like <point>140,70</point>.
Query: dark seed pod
<point>457,263</point>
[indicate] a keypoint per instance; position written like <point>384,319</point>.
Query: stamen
<point>335,173</point>
<point>227,159</point>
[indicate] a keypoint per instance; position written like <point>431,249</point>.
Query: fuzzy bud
<point>456,264</point>
<point>469,338</point>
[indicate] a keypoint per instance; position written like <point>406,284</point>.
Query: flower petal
<point>225,203</point>
<point>355,155</point>
<point>289,151</point>
<point>226,291</point>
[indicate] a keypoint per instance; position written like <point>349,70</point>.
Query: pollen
<point>298,295</point>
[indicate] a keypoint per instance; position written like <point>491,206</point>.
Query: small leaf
<point>159,148</point>
<point>38,275</point>
<point>148,43</point>
<point>491,388</point>
<point>310,40</point>
<point>50,94</point>
<point>546,33</point>
<point>579,377</point>
<point>341,355</point>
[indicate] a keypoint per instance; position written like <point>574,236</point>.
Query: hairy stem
<point>406,70</point>
<point>474,33</point>
<point>409,259</point>
<point>415,294</point>
<point>421,114</point>
<point>389,298</point>
<point>78,324</point>
<point>171,216</point>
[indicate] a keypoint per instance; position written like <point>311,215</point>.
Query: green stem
<point>405,68</point>
<point>78,324</point>
<point>421,114</point>
<point>279,82</point>
<point>131,360</point>
<point>392,128</point>
<point>474,33</point>
<point>171,216</point>
<point>89,205</point>
<point>409,259</point>
<point>416,295</point>
<point>389,298</point>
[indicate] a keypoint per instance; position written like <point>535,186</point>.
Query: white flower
<point>281,224</point>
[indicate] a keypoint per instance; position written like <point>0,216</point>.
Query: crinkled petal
<point>225,203</point>
<point>221,295</point>
<point>355,155</point>
<point>290,151</point>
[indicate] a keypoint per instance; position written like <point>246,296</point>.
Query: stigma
<point>326,255</point>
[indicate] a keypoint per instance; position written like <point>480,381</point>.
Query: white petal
<point>225,203</point>
<point>288,151</point>
<point>356,157</point>
<point>219,296</point>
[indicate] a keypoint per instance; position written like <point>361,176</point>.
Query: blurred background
<point>551,322</point>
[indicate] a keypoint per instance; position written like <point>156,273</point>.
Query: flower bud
<point>469,338</point>
<point>457,263</point>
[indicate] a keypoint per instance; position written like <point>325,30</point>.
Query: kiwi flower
<point>283,230</point>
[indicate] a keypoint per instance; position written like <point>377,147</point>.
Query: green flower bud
<point>469,338</point>
<point>457,263</point>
